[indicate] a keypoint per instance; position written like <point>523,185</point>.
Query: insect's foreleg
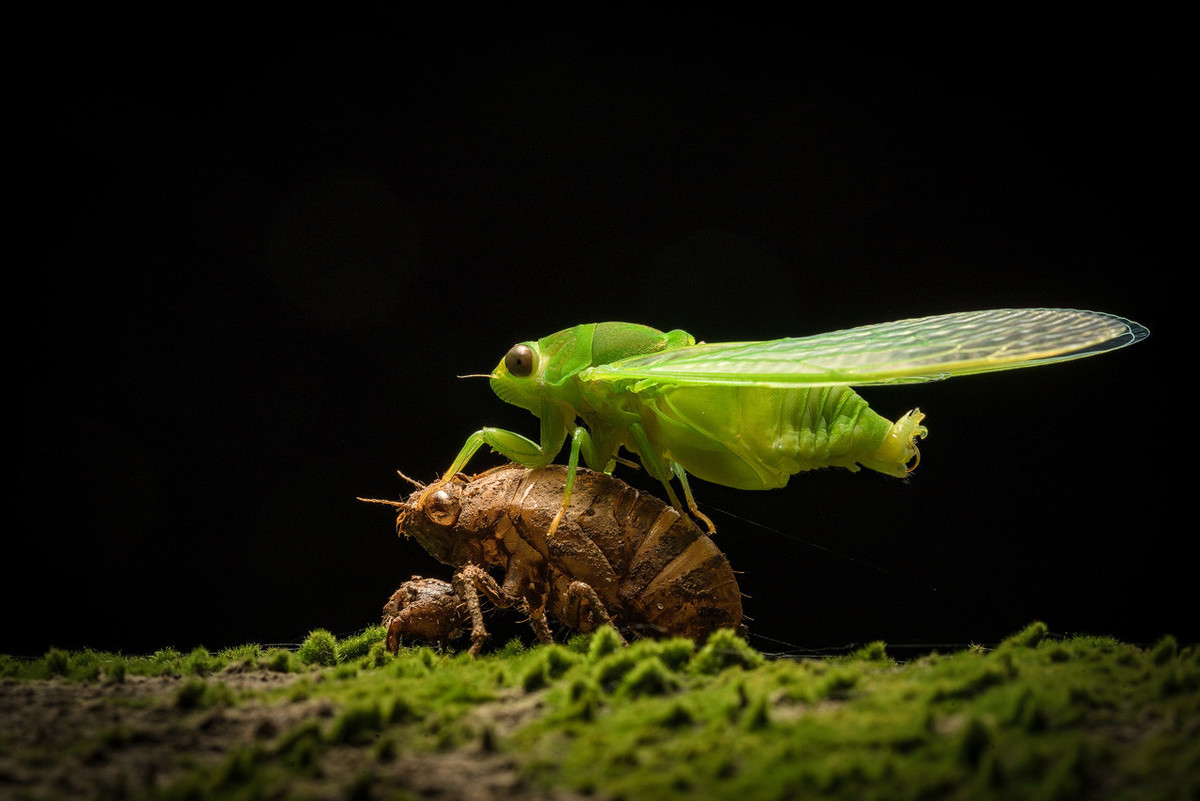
<point>508,444</point>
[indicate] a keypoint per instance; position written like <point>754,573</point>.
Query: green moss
<point>1029,636</point>
<point>676,653</point>
<point>837,685</point>
<point>547,665</point>
<point>358,646</point>
<point>1164,650</point>
<point>872,652</point>
<point>165,655</point>
<point>611,669</point>
<point>579,642</point>
<point>58,662</point>
<point>511,648</point>
<point>301,746</point>
<point>973,742</point>
<point>115,671</point>
<point>677,716</point>
<point>319,648</point>
<point>377,656</point>
<point>604,641</point>
<point>1038,717</point>
<point>279,660</point>
<point>357,724</point>
<point>196,693</point>
<point>237,771</point>
<point>244,655</point>
<point>723,650</point>
<point>757,715</point>
<point>199,663</point>
<point>648,677</point>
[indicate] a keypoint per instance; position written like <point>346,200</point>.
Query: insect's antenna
<point>477,375</point>
<point>405,510</point>
<point>413,481</point>
<point>397,504</point>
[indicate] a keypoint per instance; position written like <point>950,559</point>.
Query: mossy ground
<point>1034,717</point>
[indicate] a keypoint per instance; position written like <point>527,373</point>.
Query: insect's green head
<point>518,377</point>
<point>531,370</point>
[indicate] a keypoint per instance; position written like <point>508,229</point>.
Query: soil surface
<point>64,739</point>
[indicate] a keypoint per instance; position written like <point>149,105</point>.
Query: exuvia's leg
<point>586,593</point>
<point>468,582</point>
<point>537,619</point>
<point>464,588</point>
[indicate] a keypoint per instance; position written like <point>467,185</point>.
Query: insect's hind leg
<point>664,470</point>
<point>681,474</point>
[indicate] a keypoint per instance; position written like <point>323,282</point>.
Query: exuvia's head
<point>430,516</point>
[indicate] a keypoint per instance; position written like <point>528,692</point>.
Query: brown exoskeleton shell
<point>617,556</point>
<point>424,609</point>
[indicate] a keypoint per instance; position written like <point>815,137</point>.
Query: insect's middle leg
<point>597,456</point>
<point>664,470</point>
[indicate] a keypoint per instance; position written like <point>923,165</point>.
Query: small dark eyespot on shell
<point>441,507</point>
<point>519,361</point>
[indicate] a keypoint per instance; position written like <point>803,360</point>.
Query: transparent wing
<point>901,352</point>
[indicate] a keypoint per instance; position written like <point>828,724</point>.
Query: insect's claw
<point>557,519</point>
<point>708,524</point>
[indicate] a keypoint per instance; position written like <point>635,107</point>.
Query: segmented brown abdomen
<point>652,567</point>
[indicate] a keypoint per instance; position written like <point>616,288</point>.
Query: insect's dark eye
<point>441,507</point>
<point>519,361</point>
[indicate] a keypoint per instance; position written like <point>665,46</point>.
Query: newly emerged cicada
<point>749,415</point>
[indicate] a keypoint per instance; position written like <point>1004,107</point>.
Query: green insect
<point>751,414</point>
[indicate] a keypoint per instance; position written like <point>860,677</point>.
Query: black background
<point>262,249</point>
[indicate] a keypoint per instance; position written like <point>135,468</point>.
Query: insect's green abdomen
<point>756,437</point>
